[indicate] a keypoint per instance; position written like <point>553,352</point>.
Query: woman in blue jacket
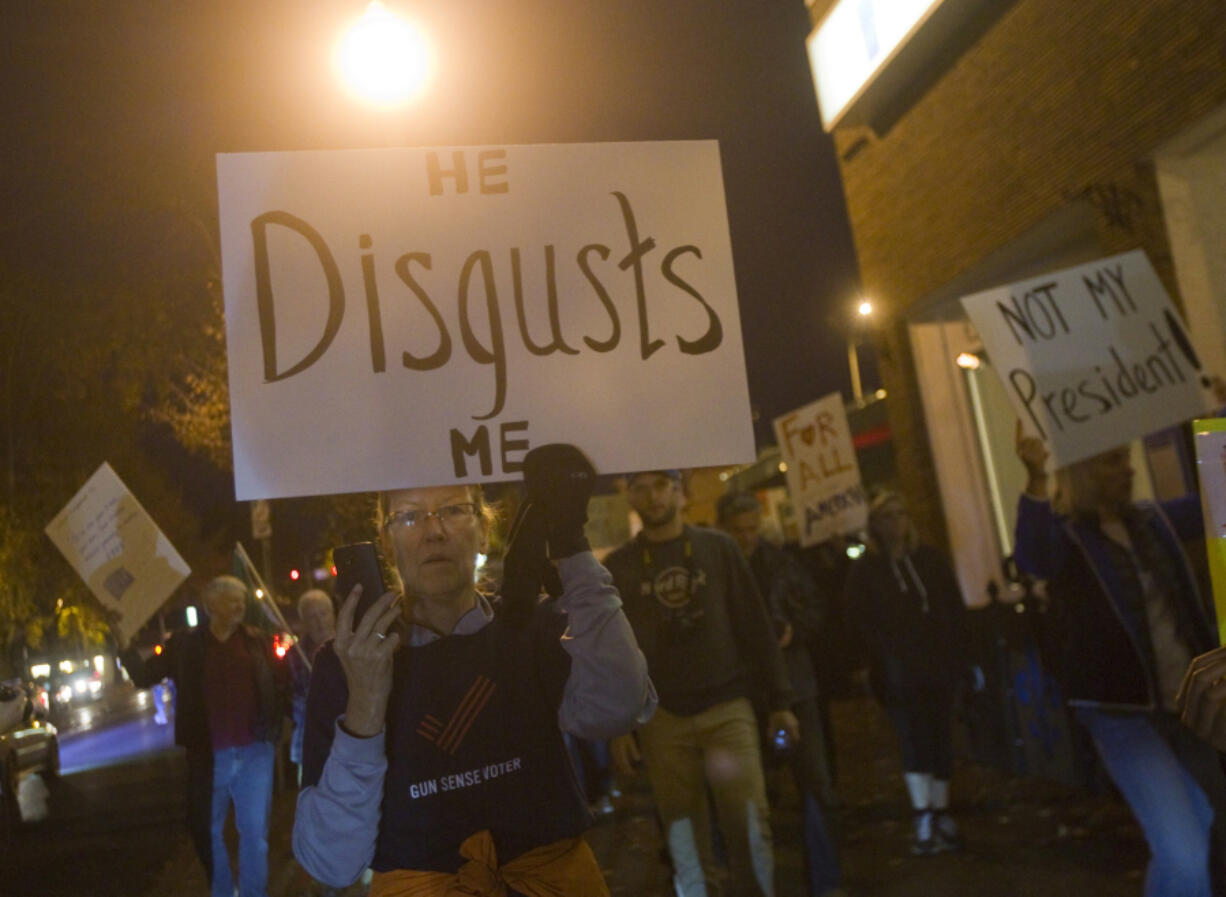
<point>1125,618</point>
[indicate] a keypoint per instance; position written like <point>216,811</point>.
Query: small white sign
<point>822,472</point>
<point>411,317</point>
<point>117,550</point>
<point>1093,356</point>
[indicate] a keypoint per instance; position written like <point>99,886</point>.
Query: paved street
<point>115,830</point>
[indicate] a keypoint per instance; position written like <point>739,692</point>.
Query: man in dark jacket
<point>792,602</point>
<point>1125,618</point>
<point>231,697</point>
<point>710,648</point>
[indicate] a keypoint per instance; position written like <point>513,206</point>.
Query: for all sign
<point>822,472</point>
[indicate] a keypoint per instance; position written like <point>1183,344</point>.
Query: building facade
<point>1012,139</point>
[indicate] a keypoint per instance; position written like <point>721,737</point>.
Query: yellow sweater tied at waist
<point>565,868</point>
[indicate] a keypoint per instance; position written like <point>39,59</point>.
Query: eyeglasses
<point>446,516</point>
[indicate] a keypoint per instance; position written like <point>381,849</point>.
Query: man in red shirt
<point>231,697</point>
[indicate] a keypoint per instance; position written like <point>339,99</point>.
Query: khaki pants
<point>716,748</point>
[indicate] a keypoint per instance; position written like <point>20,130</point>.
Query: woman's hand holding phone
<point>365,652</point>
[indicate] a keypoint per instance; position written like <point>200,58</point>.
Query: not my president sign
<point>1091,356</point>
<point>407,317</point>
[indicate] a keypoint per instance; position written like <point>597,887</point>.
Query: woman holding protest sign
<point>905,601</point>
<point>434,750</point>
<point>1125,618</point>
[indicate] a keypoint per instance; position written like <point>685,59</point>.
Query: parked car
<point>28,743</point>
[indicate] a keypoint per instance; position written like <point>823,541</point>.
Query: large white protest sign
<point>1091,356</point>
<point>117,549</point>
<point>404,317</point>
<point>822,471</point>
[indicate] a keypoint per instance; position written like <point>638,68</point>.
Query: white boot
<point>945,830</point>
<point>925,842</point>
<point>919,788</point>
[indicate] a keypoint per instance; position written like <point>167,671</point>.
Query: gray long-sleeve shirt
<point>607,693</point>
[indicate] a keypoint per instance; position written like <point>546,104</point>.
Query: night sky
<point>112,114</point>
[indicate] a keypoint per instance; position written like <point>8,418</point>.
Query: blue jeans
<point>1167,801</point>
<point>590,759</point>
<point>812,781</point>
<point>242,775</point>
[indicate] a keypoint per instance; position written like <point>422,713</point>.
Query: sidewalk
<point>1023,837</point>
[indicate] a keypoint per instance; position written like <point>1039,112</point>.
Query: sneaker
<point>945,832</point>
<point>924,842</point>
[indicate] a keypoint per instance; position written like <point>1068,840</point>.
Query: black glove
<point>525,565</point>
<point>559,479</point>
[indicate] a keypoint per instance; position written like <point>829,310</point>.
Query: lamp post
<point>863,310</point>
<point>384,59</point>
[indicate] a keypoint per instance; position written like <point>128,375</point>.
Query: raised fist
<point>559,479</point>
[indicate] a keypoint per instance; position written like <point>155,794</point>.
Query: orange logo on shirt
<point>448,736</point>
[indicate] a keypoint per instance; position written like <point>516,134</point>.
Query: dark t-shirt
<point>700,621</point>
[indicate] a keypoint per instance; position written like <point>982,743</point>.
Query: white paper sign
<point>408,317</point>
<point>1093,356</point>
<point>822,472</point>
<point>117,549</point>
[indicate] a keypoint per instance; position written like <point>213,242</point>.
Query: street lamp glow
<point>968,361</point>
<point>865,308</point>
<point>383,59</point>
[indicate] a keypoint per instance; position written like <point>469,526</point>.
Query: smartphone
<point>358,564</point>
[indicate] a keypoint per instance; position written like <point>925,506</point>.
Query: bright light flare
<point>968,361</point>
<point>383,59</point>
<point>865,308</point>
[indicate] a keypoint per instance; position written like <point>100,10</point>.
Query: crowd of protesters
<point>452,739</point>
